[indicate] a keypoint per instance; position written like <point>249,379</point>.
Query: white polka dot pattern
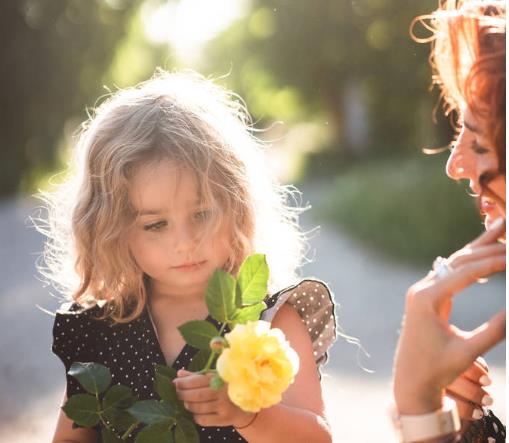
<point>314,303</point>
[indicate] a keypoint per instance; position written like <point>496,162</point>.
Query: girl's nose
<point>184,240</point>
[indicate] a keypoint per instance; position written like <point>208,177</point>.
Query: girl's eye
<point>155,226</point>
<point>201,215</point>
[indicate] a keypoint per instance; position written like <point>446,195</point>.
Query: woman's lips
<point>487,205</point>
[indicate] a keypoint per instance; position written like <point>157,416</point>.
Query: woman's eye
<point>155,226</point>
<point>478,149</point>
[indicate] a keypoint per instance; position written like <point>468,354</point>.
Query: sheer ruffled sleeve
<point>73,340</point>
<point>314,302</point>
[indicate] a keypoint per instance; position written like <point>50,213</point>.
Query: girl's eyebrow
<point>160,211</point>
<point>150,212</point>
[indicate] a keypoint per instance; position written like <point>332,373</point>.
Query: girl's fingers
<point>193,381</point>
<point>491,235</point>
<point>197,395</point>
<point>200,408</point>
<point>488,334</point>
<point>467,274</point>
<point>468,390</point>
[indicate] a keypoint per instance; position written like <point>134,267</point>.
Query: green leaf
<point>220,296</point>
<point>167,371</point>
<point>252,279</point>
<point>157,433</point>
<point>151,411</point>
<point>108,436</point>
<point>120,419</point>
<point>199,360</point>
<point>118,396</point>
<point>198,333</point>
<point>164,386</point>
<point>83,409</point>
<point>95,378</point>
<point>249,313</point>
<point>186,432</point>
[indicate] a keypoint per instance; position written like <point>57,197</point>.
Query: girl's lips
<point>189,266</point>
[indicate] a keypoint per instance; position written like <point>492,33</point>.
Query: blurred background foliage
<point>338,85</point>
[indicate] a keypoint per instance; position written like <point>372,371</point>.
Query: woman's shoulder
<point>314,302</point>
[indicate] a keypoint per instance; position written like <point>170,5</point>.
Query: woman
<point>468,58</point>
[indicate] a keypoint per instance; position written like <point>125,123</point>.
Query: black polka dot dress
<point>131,350</point>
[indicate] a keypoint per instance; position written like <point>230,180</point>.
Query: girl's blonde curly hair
<point>201,127</point>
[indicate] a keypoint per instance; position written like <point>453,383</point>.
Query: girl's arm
<point>300,416</point>
<point>64,433</point>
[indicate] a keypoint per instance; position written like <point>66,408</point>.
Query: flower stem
<point>213,353</point>
<point>126,433</point>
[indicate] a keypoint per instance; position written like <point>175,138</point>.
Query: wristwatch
<point>411,428</point>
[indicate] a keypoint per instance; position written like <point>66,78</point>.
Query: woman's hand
<point>468,390</point>
<point>431,352</point>
<point>209,407</point>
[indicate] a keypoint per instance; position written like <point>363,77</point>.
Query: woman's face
<point>472,156</point>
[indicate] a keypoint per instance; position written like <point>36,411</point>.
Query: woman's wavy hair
<point>197,125</point>
<point>468,58</point>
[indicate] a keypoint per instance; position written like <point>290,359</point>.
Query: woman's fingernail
<point>497,223</point>
<point>487,400</point>
<point>485,380</point>
<point>482,361</point>
<point>477,414</point>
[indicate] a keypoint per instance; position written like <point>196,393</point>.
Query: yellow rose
<point>258,366</point>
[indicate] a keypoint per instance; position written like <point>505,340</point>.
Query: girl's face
<point>168,238</point>
<point>473,156</point>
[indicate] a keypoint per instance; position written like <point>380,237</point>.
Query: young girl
<point>167,185</point>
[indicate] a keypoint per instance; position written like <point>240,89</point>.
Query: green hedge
<point>407,208</point>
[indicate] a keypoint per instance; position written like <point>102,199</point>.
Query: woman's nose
<point>454,168</point>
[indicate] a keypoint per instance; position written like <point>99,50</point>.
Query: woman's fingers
<point>464,388</point>
<point>469,254</point>
<point>478,372</point>
<point>467,274</point>
<point>487,335</point>
<point>491,235</point>
<point>466,410</point>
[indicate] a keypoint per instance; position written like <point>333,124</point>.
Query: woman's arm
<point>431,352</point>
<point>64,432</point>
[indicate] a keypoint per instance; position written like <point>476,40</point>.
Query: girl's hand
<point>468,391</point>
<point>431,352</point>
<point>209,407</point>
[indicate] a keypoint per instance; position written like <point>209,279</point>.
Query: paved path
<point>368,287</point>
